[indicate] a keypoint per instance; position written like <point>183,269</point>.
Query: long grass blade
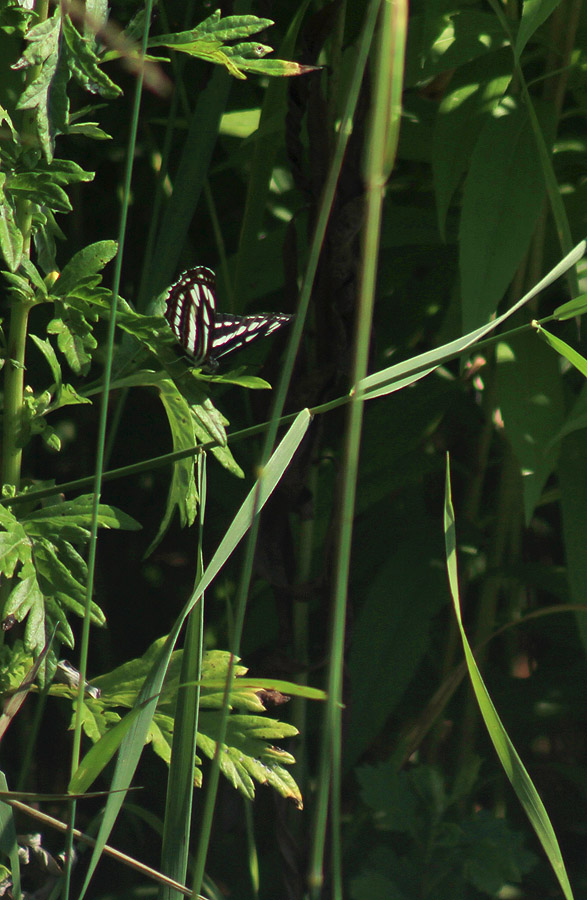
<point>511,762</point>
<point>391,379</point>
<point>132,746</point>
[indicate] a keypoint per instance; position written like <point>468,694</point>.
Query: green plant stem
<point>13,395</point>
<point>101,440</point>
<point>381,147</point>
<point>167,459</point>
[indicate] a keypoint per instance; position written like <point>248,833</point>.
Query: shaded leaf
<point>84,63</point>
<point>503,196</point>
<point>11,239</point>
<point>43,53</point>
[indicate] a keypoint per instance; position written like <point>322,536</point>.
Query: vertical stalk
<point>13,395</point>
<point>19,314</point>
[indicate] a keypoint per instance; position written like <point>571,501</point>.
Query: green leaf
<point>441,42</point>
<point>75,341</point>
<point>571,355</point>
<point>39,188</point>
<point>26,601</point>
<point>207,42</point>
<point>55,578</point>
<point>503,196</point>
<point>46,234</point>
<point>575,307</point>
<point>20,287</point>
<point>90,130</point>
<point>64,171</point>
<point>534,13</point>
<point>15,545</point>
<point>394,378</point>
<point>35,278</point>
<point>43,53</point>
<point>472,94</point>
<point>182,494</point>
<point>530,397</point>
<point>60,516</point>
<point>48,352</point>
<point>84,63</point>
<point>88,261</point>
<point>131,749</point>
<point>15,18</point>
<point>228,29</point>
<point>11,239</point>
<point>246,757</point>
<point>98,757</point>
<point>511,762</point>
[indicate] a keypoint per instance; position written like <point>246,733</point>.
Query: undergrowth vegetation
<point>237,656</point>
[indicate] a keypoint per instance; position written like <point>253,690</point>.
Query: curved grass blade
<point>511,762</point>
<point>400,375</point>
<point>132,745</point>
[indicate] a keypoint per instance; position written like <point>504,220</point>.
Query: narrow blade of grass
<point>511,762</point>
<point>400,375</point>
<point>576,360</point>
<point>132,745</point>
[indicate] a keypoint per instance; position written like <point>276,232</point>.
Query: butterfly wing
<point>191,311</point>
<point>232,332</point>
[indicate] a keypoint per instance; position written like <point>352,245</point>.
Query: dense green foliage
<point>287,176</point>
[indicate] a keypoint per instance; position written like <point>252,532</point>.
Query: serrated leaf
<point>78,512</point>
<point>90,260</point>
<point>14,547</point>
<point>16,17</point>
<point>43,53</point>
<point>25,600</point>
<point>11,239</point>
<point>73,346</point>
<point>68,396</point>
<point>245,756</point>
<point>48,352</point>
<point>46,233</point>
<point>34,276</point>
<point>39,188</point>
<point>55,578</point>
<point>182,494</point>
<point>228,29</point>
<point>84,63</point>
<point>20,286</point>
<point>65,171</point>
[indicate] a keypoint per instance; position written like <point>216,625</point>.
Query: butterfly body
<point>205,334</point>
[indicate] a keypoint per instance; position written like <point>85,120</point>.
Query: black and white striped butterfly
<point>206,335</point>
